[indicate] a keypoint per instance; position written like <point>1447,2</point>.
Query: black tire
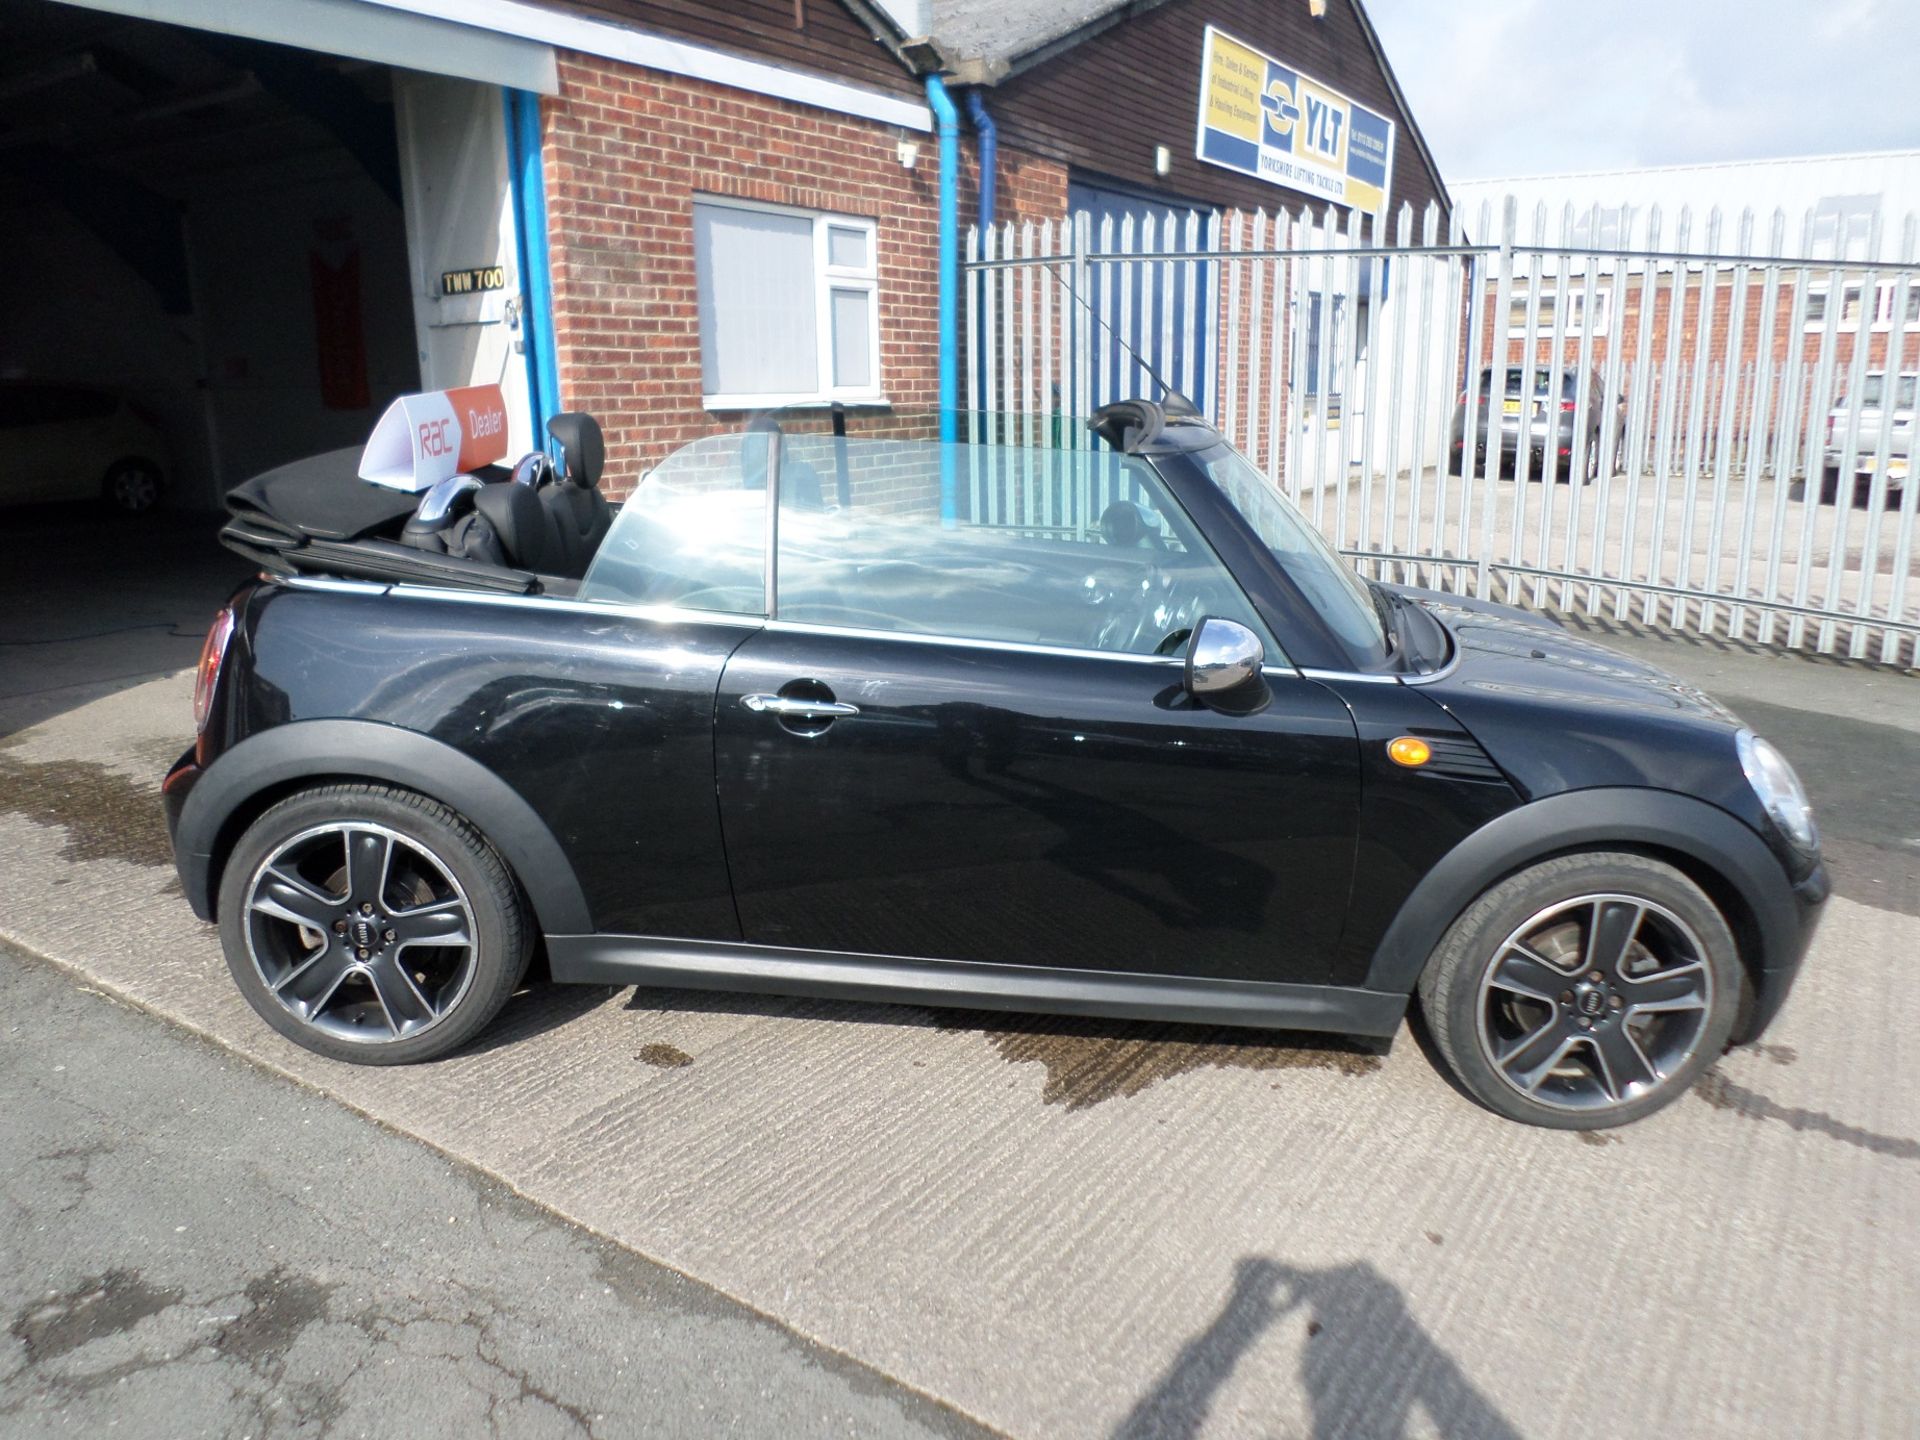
<point>437,874</point>
<point>133,486</point>
<point>1484,1023</point>
<point>1829,485</point>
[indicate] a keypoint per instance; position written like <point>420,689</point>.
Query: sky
<point>1521,87</point>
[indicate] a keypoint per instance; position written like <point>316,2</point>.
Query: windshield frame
<point>1311,642</point>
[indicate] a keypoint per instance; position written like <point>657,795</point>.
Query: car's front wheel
<point>371,924</point>
<point>1584,992</point>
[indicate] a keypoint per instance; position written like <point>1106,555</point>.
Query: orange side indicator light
<point>1410,751</point>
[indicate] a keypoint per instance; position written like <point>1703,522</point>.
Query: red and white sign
<point>424,439</point>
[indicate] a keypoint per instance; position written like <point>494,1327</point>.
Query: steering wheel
<point>1125,526</point>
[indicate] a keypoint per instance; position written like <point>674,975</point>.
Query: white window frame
<point>1576,290</point>
<point>826,279</point>
<point>1883,305</point>
<point>1845,326</point>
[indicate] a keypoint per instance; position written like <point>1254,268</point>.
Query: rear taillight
<point>1566,407</point>
<point>212,654</point>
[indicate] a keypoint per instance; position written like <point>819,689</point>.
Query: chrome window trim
<point>322,582</point>
<point>1356,676</point>
<point>566,603</point>
<point>1021,647</point>
<point>672,614</point>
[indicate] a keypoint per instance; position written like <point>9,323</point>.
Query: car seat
<point>578,515</point>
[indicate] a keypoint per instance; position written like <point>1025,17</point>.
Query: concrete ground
<point>1076,1229</point>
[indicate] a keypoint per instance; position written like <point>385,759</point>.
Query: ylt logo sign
<point>1266,120</point>
<point>1324,123</point>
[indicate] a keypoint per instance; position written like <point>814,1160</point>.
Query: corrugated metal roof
<point>1842,194</point>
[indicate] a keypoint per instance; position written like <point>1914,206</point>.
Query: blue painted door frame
<point>529,188</point>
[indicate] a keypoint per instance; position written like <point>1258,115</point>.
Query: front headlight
<point>1779,789</point>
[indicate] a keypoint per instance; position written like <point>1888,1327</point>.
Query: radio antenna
<point>1118,339</point>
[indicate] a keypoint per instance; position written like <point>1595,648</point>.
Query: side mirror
<point>1223,667</point>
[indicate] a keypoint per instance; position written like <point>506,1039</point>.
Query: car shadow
<point>1085,1060</point>
<point>537,1007</point>
<point>1366,1363</point>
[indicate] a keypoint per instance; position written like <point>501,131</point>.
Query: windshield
<point>1568,383</point>
<point>1344,600</point>
<point>1078,549</point>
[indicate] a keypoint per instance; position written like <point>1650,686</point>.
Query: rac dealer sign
<point>1267,120</point>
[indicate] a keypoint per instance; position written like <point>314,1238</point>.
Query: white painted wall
<point>459,214</point>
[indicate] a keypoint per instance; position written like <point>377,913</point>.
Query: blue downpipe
<point>529,190</point>
<point>947,123</point>
<point>989,172</point>
<point>989,152</point>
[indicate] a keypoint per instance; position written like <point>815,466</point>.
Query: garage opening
<point>220,252</point>
<point>203,257</point>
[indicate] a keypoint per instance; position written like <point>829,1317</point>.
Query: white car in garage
<point>78,442</point>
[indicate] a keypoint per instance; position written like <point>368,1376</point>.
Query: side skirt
<point>900,980</point>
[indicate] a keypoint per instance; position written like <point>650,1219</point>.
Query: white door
<point>467,300</point>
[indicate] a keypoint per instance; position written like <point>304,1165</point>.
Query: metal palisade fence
<point>1671,421</point>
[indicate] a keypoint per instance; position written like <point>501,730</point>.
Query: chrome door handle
<point>791,708</point>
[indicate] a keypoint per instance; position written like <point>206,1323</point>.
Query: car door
<point>941,747</point>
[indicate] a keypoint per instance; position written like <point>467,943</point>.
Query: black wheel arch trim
<point>363,750</point>
<point>1778,922</point>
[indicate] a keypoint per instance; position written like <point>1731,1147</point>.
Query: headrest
<point>519,520</point>
<point>582,448</point>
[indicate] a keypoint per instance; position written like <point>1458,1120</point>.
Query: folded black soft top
<point>320,498</point>
<point>318,517</point>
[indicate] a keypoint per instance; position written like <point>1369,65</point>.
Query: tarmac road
<point>193,1246</point>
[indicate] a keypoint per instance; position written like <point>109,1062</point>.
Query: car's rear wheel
<point>1584,992</point>
<point>132,486</point>
<point>371,924</point>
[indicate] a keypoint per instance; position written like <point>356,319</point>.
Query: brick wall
<point>627,150</point>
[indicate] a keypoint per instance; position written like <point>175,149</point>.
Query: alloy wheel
<point>360,932</point>
<point>134,489</point>
<point>1594,1002</point>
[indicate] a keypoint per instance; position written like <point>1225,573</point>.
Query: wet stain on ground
<point>663,1056</point>
<point>107,815</point>
<point>99,1306</point>
<point>1725,1094</point>
<point>1088,1061</point>
<point>280,1306</point>
<point>1778,1054</point>
<point>1596,1137</point>
<point>1435,1237</point>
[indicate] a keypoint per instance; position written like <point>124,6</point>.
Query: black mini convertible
<point>1095,723</point>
